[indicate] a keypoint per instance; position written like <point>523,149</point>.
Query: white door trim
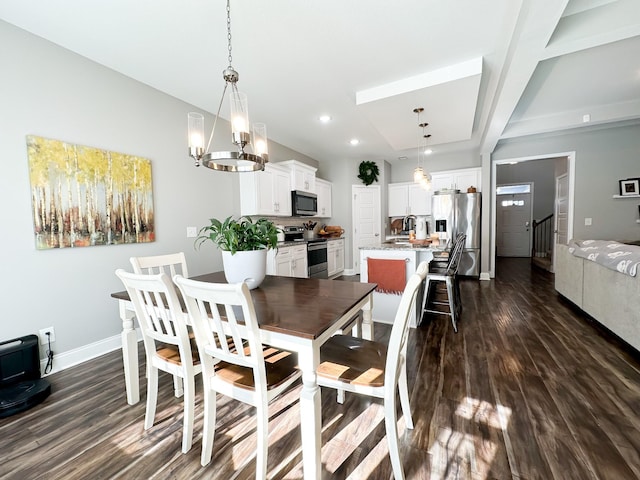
<point>559,178</point>
<point>571,162</point>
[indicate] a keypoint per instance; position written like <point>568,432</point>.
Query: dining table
<point>296,314</point>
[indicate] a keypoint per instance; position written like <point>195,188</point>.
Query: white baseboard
<point>349,272</point>
<point>484,276</point>
<point>64,360</point>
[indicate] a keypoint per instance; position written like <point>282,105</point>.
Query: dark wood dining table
<point>297,314</point>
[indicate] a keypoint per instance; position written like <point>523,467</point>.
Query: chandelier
<point>419,174</point>
<point>230,161</point>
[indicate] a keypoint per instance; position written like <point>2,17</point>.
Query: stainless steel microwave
<point>304,203</point>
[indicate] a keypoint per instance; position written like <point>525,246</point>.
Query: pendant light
<point>230,161</point>
<point>420,176</point>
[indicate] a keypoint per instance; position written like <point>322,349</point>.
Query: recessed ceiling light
<point>428,151</point>
<point>354,141</point>
<point>403,158</point>
<point>325,118</point>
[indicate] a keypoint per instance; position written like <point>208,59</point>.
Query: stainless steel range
<point>316,251</point>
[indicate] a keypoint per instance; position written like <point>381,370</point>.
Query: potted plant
<point>244,244</point>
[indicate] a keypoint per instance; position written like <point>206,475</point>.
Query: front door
<point>513,229</point>
<point>366,219</point>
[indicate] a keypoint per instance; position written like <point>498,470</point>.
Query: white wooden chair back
<point>158,311</point>
<point>397,348</point>
<point>172,264</point>
<point>224,320</point>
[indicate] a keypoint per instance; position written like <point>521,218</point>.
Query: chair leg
<point>391,427</point>
<point>452,303</point>
<point>187,421</point>
<point>340,396</point>
<point>403,390</point>
<point>152,396</point>
<point>425,296</point>
<point>178,389</point>
<point>262,433</point>
<point>209,425</point>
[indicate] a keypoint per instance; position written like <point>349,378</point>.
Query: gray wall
<point>51,92</point>
<point>603,157</point>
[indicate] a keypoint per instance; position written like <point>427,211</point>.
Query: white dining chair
<point>171,264</point>
<point>234,361</point>
<point>371,368</point>
<point>166,342</point>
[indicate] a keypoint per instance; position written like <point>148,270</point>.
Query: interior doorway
<point>563,164</point>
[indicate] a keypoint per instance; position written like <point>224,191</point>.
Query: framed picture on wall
<point>630,186</point>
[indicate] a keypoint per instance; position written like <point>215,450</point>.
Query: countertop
<point>395,246</point>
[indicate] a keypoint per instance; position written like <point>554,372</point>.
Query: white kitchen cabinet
<point>335,257</point>
<point>323,190</point>
<point>267,192</point>
<point>288,261</point>
<point>408,198</point>
<point>456,179</point>
<point>303,176</point>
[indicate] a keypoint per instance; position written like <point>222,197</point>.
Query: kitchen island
<point>385,305</point>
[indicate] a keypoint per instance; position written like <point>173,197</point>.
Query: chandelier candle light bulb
<point>260,145</point>
<point>196,134</point>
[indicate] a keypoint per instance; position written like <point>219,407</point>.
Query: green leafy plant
<point>239,235</point>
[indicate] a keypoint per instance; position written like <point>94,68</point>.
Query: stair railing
<point>542,237</point>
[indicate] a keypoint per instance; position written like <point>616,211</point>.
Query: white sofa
<point>610,297</point>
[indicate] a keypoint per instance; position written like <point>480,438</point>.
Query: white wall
<point>602,158</point>
<point>402,171</point>
<point>51,92</point>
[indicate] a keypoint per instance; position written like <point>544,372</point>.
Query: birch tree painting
<point>83,196</point>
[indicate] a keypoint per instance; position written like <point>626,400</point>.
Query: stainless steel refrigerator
<point>454,213</point>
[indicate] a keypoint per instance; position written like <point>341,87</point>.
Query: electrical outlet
<point>192,232</point>
<point>44,339</point>
<point>588,221</point>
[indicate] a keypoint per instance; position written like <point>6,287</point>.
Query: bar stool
<point>448,275</point>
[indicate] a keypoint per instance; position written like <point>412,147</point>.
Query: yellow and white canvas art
<point>84,196</point>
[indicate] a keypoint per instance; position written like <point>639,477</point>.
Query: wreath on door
<point>368,172</point>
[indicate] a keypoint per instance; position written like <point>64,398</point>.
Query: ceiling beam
<point>536,24</point>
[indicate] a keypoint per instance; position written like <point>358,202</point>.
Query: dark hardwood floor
<point>527,389</point>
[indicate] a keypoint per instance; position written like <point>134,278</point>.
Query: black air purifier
<point>20,384</point>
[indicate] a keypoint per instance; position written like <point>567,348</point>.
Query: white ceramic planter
<point>248,266</point>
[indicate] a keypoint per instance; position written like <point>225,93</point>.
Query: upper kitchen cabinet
<point>460,179</point>
<point>303,176</point>
<point>408,199</point>
<point>323,190</point>
<point>267,192</point>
